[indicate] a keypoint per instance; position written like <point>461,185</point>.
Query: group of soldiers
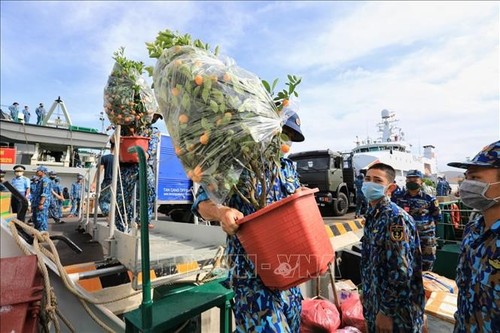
<point>24,115</point>
<point>422,206</point>
<point>45,194</point>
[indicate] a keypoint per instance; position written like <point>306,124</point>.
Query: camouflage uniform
<point>130,177</point>
<point>478,270</point>
<point>478,279</point>
<point>55,207</point>
<point>424,209</point>
<point>361,202</point>
<point>40,216</point>
<point>256,307</point>
<point>391,268</point>
<point>443,187</point>
<point>76,196</point>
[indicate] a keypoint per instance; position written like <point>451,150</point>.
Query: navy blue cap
<point>293,125</point>
<point>2,172</point>
<point>18,167</point>
<point>414,173</point>
<point>488,157</point>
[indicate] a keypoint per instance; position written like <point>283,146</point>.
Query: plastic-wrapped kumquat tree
<point>221,118</point>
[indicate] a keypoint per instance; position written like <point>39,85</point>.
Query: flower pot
<point>287,241</point>
<point>129,141</point>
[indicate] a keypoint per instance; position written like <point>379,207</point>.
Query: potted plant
<point>223,120</point>
<point>129,102</point>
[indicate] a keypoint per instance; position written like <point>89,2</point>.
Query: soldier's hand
<point>228,217</point>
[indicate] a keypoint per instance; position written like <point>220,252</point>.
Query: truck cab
<point>332,173</point>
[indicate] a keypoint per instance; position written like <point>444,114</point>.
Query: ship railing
<point>454,217</point>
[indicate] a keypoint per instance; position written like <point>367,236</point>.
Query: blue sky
<point>436,64</point>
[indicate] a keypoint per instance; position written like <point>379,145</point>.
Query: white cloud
<point>434,63</point>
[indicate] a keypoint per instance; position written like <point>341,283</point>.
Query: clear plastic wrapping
<point>128,99</point>
<point>220,117</point>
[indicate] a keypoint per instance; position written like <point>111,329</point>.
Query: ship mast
<point>390,132</point>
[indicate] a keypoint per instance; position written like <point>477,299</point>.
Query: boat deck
<point>93,251</point>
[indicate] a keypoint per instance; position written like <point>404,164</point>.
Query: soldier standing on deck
<point>55,207</point>
<point>424,208</point>
<point>391,260</point>
<point>360,197</point>
<point>478,270</point>
<point>41,200</point>
<point>76,196</point>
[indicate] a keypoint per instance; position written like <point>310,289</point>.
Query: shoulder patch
<point>495,263</point>
<point>397,232</point>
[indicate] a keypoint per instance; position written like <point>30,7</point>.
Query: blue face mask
<point>373,191</point>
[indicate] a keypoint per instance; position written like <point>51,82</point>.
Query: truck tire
<point>341,205</point>
<point>179,215</point>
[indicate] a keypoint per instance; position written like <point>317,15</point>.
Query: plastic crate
<point>21,287</point>
<point>287,241</point>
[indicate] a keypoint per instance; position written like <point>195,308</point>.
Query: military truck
<point>333,174</point>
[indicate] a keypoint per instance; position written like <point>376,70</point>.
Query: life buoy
<point>455,216</point>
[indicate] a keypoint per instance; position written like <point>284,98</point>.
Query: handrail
<point>146,281</point>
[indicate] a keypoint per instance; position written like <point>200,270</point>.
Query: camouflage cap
<point>414,173</point>
<point>488,157</point>
<point>42,169</point>
<point>292,124</point>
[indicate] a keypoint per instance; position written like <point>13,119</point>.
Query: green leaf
<point>214,106</point>
<point>266,85</point>
<point>204,94</point>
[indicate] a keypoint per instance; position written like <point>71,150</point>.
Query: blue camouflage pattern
<point>55,206</point>
<point>424,208</point>
<point>33,185</point>
<point>105,192</point>
<point>40,216</point>
<point>130,178</point>
<point>391,271</point>
<point>478,279</point>
<point>75,194</point>
<point>361,202</point>
<point>443,187</point>
<point>256,307</point>
<point>489,156</point>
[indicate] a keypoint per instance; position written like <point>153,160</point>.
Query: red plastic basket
<point>129,141</point>
<point>287,241</point>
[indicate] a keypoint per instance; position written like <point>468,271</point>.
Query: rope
<point>216,270</point>
<point>51,311</point>
<point>51,307</point>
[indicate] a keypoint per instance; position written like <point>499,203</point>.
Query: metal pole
<point>114,179</point>
<point>147,303</point>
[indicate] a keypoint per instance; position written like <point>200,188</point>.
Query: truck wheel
<point>179,215</point>
<point>341,205</point>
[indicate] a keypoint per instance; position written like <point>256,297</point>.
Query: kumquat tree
<point>222,119</point>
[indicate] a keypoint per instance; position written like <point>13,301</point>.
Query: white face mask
<point>472,193</point>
